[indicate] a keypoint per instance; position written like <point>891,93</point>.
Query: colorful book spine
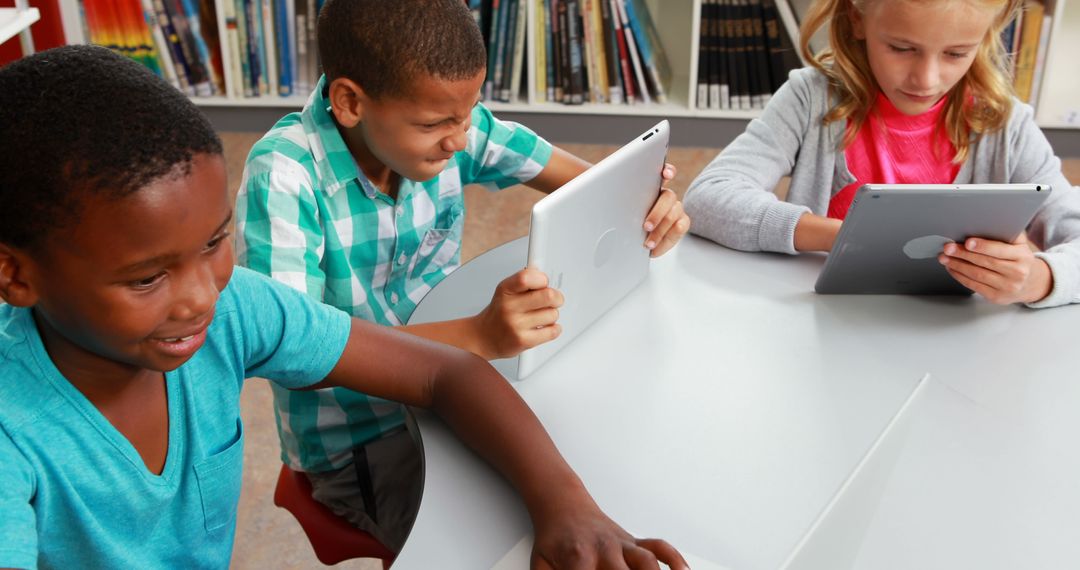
<point>284,47</point>
<point>611,54</point>
<point>635,59</point>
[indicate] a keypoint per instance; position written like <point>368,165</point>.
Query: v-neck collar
<point>101,424</point>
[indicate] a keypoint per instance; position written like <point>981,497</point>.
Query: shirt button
<point>393,298</point>
<point>401,259</point>
<point>399,211</point>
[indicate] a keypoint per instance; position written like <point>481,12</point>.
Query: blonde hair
<point>979,103</point>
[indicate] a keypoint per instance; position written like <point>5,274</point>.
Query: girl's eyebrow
<point>900,40</point>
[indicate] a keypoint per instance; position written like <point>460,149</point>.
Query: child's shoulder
<point>25,391</point>
<point>286,139</point>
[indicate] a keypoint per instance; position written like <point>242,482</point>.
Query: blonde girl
<point>908,91</point>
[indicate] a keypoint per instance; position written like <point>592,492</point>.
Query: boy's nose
<point>199,293</point>
<point>456,142</point>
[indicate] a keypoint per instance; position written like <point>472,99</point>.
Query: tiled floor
<point>268,537</point>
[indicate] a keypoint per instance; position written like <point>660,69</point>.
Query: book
<point>506,52</point>
<point>629,88</point>
<point>611,54</point>
<point>513,93</point>
<point>491,39</point>
<point>161,45</point>
<point>759,55</point>
<point>542,48</point>
<point>1030,30</point>
<point>284,47</point>
<point>632,48</point>
<point>574,44</point>
<point>653,57</point>
<point>1040,58</point>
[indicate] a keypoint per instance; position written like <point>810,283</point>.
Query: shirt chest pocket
<point>438,247</point>
<point>219,477</point>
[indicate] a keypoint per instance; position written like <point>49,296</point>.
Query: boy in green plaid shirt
<point>357,201</point>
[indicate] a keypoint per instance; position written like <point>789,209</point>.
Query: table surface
<point>722,403</point>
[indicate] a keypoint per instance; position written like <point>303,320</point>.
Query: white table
<point>722,403</point>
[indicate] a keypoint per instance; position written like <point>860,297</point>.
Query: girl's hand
<point>666,223</point>
<point>1002,272</point>
<point>585,538</point>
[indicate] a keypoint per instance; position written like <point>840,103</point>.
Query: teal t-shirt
<point>74,493</point>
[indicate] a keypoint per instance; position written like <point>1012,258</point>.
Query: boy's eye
<point>148,282</point>
<point>214,243</point>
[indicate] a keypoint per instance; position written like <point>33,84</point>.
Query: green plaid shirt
<point>307,216</point>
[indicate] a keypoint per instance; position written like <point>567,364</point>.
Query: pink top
<point>910,149</point>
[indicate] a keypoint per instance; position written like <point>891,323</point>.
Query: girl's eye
<point>214,243</point>
<point>899,49</point>
<point>956,55</point>
<point>148,282</point>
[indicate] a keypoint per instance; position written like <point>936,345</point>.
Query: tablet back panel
<point>587,237</point>
<point>893,233</point>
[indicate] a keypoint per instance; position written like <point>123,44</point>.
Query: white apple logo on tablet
<point>926,247</point>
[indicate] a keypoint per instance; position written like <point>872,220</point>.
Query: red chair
<point>332,538</point>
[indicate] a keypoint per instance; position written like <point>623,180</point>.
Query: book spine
<point>549,49</point>
<point>540,45</point>
<point>577,72</point>
<point>632,48</point>
<point>629,89</point>
<point>175,50</point>
<point>492,40</point>
<point>281,16</point>
<point>564,52</point>
<point>518,67</point>
<point>611,54</point>
<point>507,51</point>
<point>161,45</point>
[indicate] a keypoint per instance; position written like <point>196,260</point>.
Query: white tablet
<point>587,237</point>
<point>892,235</point>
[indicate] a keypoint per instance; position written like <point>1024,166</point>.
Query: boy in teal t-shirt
<point>127,334</point>
<point>357,202</point>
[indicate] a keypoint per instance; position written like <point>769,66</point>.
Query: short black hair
<point>81,120</point>
<point>384,45</point>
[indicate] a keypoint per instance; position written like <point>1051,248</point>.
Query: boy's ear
<point>15,288</point>
<point>346,102</point>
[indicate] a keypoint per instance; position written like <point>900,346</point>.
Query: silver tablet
<point>587,237</point>
<point>893,233</point>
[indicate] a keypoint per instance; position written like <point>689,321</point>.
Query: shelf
<point>14,21</point>
<point>295,102</point>
<point>1059,97</point>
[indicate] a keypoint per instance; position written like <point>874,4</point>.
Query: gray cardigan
<point>731,202</point>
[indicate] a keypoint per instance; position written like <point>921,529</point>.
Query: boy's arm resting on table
<point>732,201</point>
<point>489,416</point>
<point>521,315</point>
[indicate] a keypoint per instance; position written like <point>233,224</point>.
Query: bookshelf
<point>677,23</point>
<point>16,22</point>
<point>1059,95</point>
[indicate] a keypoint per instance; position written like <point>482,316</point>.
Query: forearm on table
<point>462,333</point>
<point>816,233</point>
<point>488,415</point>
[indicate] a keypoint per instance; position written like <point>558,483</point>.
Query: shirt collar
<point>333,160</point>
